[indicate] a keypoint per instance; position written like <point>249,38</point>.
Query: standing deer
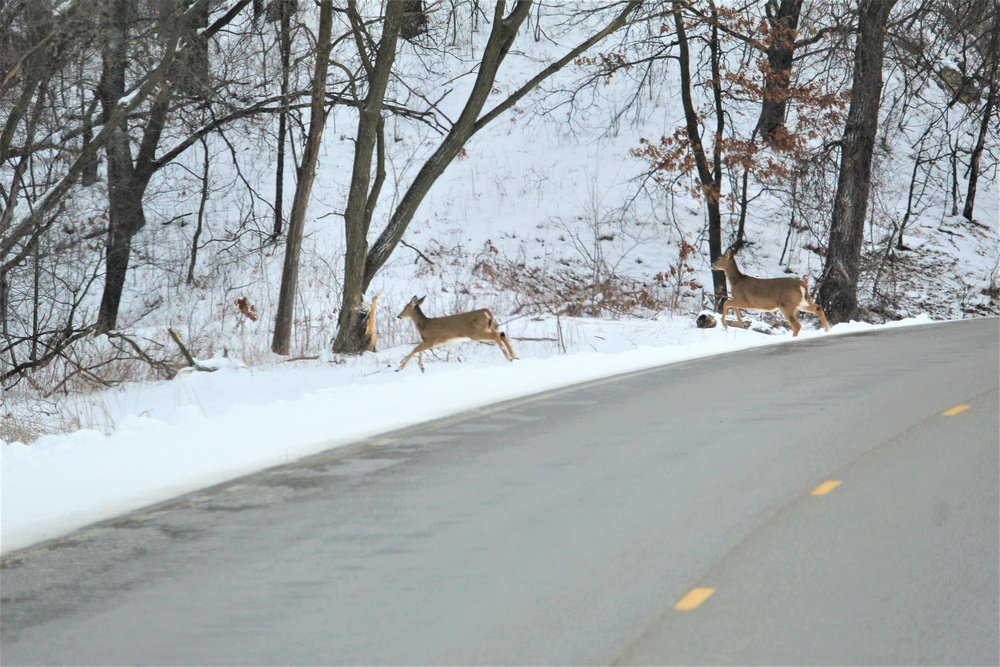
<point>789,295</point>
<point>474,325</point>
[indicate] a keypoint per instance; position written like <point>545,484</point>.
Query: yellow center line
<point>826,487</point>
<point>694,599</point>
<point>955,410</point>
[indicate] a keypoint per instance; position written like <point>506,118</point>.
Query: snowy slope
<point>544,202</point>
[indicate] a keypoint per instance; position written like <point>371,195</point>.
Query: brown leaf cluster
<point>247,309</point>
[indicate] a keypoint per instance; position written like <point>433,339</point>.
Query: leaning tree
<point>364,259</point>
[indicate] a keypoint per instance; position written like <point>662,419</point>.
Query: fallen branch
<point>162,367</point>
<point>187,355</point>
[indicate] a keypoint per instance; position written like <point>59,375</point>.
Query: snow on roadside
<point>205,428</point>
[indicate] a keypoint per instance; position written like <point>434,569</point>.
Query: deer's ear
<point>420,300</point>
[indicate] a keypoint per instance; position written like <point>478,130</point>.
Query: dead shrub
<point>566,292</point>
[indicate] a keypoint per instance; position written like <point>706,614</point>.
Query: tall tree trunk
<point>127,183</point>
<point>128,178</point>
<point>839,290</point>
<point>363,194</point>
<point>281,342</point>
<point>781,48</point>
<point>710,175</point>
<point>124,217</point>
<point>200,222</point>
<point>285,39</point>
<point>984,128</point>
<point>117,253</point>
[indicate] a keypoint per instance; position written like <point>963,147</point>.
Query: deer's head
<point>412,307</point>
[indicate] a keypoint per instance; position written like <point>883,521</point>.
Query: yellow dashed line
<point>955,410</point>
<point>826,487</point>
<point>694,599</point>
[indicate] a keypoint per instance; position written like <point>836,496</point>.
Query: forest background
<point>182,180</point>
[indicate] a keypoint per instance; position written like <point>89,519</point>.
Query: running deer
<point>474,325</point>
<point>789,295</point>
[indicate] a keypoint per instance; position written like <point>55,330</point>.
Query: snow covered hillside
<point>592,265</point>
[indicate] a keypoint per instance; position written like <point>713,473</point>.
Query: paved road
<point>564,529</point>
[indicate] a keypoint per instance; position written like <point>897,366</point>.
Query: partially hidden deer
<point>478,325</point>
<point>787,295</point>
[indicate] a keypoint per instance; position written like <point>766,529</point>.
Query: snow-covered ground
<point>169,438</point>
<point>542,208</point>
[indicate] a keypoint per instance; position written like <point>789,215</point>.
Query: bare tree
<point>281,341</point>
<point>285,8</point>
<point>839,289</point>
<point>991,56</point>
<point>709,171</point>
<point>783,23</point>
<point>363,263</point>
<point>129,177</point>
<point>73,88</point>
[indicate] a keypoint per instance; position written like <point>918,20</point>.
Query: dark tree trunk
<point>839,290</point>
<point>124,217</point>
<point>190,73</point>
<point>414,21</point>
<point>285,39</point>
<point>200,223</point>
<point>281,342</point>
<point>977,154</point>
<point>709,174</point>
<point>89,175</point>
<point>780,51</point>
<point>127,180</point>
<point>118,251</point>
<point>357,330</point>
<point>363,193</point>
<point>984,128</point>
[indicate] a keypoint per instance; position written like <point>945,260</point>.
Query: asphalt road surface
<point>824,502</point>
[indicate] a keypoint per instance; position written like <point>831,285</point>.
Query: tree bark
<point>984,128</point>
<point>281,342</point>
<point>839,290</point>
<point>780,51</point>
<point>128,178</point>
<point>285,46</point>
<point>363,193</point>
<point>125,218</point>
<point>709,174</point>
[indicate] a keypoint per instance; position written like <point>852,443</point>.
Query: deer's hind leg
<point>792,317</point>
<point>494,336</point>
<point>505,339</point>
